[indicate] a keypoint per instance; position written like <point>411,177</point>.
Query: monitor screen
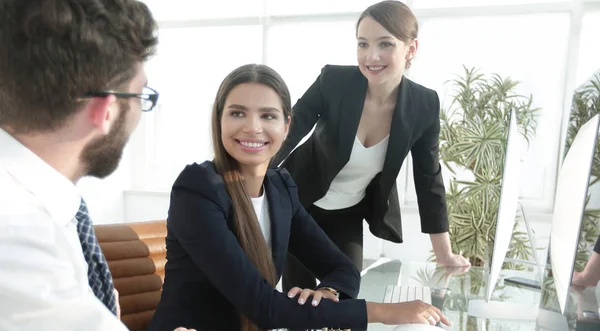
<point>569,204</point>
<point>509,200</point>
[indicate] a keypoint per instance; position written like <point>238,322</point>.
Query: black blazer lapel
<point>401,131</point>
<point>280,212</point>
<point>349,117</point>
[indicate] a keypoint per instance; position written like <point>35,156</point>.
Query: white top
<point>261,208</point>
<point>348,188</point>
<point>43,274</point>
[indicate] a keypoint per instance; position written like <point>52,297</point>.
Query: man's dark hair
<point>53,52</point>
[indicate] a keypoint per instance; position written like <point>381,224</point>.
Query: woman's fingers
<point>317,298</point>
<point>433,317</point>
<point>304,295</point>
<point>294,291</point>
<point>328,295</point>
<point>438,316</point>
<point>445,320</point>
<point>422,320</point>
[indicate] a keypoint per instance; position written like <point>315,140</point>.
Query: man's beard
<point>101,157</point>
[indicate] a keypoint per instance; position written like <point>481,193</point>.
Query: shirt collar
<point>56,192</point>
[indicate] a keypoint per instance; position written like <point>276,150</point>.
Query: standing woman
<point>232,221</point>
<point>368,117</point>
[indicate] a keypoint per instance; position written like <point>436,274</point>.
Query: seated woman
<point>231,223</point>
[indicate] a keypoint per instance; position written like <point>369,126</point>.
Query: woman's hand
<point>582,279</point>
<point>417,312</point>
<point>453,260</point>
<point>442,249</point>
<point>316,295</point>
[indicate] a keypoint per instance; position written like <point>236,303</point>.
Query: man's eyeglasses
<point>148,96</point>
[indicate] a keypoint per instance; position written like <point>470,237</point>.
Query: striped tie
<point>98,273</point>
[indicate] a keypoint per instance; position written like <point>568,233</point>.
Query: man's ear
<point>102,111</point>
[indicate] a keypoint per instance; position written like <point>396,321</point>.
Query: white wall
<point>105,197</point>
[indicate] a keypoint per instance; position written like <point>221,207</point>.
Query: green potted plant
<point>473,139</point>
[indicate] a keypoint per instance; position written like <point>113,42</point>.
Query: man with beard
<point>72,89</point>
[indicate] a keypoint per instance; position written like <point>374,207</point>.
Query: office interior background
<point>549,46</point>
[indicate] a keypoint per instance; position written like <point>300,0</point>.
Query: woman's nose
<point>253,125</point>
<point>373,54</point>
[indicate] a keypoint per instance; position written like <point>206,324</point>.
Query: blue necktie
<point>98,273</point>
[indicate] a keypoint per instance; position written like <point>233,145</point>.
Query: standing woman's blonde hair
<point>247,228</point>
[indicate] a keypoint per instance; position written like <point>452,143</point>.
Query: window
<point>180,10</point>
<point>299,51</point>
<point>529,48</point>
<point>202,41</point>
<point>589,49</point>
<point>187,71</point>
<point>464,3</point>
<point>295,7</point>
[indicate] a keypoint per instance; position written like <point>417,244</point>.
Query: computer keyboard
<point>403,293</point>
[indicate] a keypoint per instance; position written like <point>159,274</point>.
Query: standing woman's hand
<point>454,260</point>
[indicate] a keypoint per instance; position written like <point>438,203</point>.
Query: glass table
<point>453,289</point>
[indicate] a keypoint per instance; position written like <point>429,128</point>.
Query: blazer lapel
<point>401,131</point>
<point>280,212</point>
<point>349,117</point>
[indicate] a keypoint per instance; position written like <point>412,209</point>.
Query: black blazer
<point>334,103</point>
<point>209,278</point>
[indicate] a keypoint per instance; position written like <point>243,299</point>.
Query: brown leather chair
<point>136,256</point>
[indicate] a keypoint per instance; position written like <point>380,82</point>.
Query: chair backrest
<point>136,255</point>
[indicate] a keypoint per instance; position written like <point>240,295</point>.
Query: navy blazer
<point>335,103</point>
<point>209,278</point>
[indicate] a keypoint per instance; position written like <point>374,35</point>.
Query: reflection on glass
<point>452,289</point>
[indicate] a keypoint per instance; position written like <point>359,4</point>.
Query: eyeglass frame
<point>142,96</point>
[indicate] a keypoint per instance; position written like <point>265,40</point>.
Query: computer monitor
<point>506,218</point>
<point>569,204</point>
<point>507,207</point>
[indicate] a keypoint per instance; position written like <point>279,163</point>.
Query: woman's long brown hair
<point>247,228</point>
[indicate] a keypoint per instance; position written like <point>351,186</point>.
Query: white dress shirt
<point>261,208</point>
<point>43,274</point>
<point>349,186</point>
